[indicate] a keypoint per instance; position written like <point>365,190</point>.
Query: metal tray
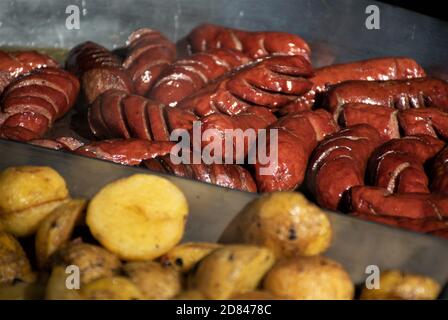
<point>337,33</point>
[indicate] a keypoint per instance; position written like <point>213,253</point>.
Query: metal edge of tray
<point>356,243</point>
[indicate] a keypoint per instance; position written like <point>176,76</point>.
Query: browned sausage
<point>59,143</point>
<point>254,44</point>
<point>379,202</point>
<point>128,152</point>
<point>99,70</point>
<point>188,75</point>
<point>149,53</point>
<point>398,164</point>
<point>389,68</point>
<point>399,94</point>
<point>339,163</point>
<point>271,83</point>
<point>440,173</point>
<point>16,63</point>
<point>430,121</point>
<point>31,104</point>
<point>298,134</point>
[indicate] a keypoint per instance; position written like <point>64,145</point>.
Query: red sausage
<point>440,173</point>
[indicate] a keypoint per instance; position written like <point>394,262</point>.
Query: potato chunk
<point>138,218</point>
<point>111,288</point>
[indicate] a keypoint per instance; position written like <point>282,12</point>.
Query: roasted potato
<point>56,229</point>
<point>22,291</point>
<point>111,288</point>
<point>184,256</point>
<point>27,195</point>
<point>154,280</point>
<point>256,295</point>
<point>14,264</point>
<point>231,270</point>
<point>57,288</point>
<point>93,261</point>
<point>190,295</point>
<point>285,222</point>
<point>397,285</point>
<point>139,218</point>
<point>309,278</point>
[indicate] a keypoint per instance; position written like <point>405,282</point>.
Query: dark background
<point>437,9</point>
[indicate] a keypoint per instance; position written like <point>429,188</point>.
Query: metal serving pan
<point>336,30</point>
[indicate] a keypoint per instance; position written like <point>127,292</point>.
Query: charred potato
<point>184,256</point>
<point>396,285</point>
<point>309,278</point>
<point>27,195</point>
<point>231,270</point>
<point>285,222</point>
<point>138,218</point>
<point>14,264</point>
<point>56,229</point>
<point>57,288</point>
<point>154,280</point>
<point>111,288</point>
<point>93,261</point>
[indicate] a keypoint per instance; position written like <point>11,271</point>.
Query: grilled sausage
<point>188,75</point>
<point>128,152</point>
<point>440,173</point>
<point>254,44</point>
<point>399,94</point>
<point>379,202</point>
<point>59,143</point>
<point>98,69</point>
<point>31,104</point>
<point>298,134</point>
<point>389,68</point>
<point>398,164</point>
<point>339,163</point>
<point>271,83</point>
<point>149,53</point>
<point>430,121</point>
<point>16,63</point>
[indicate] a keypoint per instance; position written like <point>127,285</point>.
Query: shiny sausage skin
<point>298,134</point>
<point>383,119</point>
<point>214,126</point>
<point>270,83</point>
<point>116,114</point>
<point>229,176</point>
<point>254,44</point>
<point>186,76</point>
<point>389,68</point>
<point>430,121</point>
<point>339,163</point>
<point>440,173</point>
<point>398,94</point>
<point>99,70</point>
<point>59,143</point>
<point>397,165</point>
<point>31,104</point>
<point>128,152</point>
<point>149,53</point>
<point>379,202</point>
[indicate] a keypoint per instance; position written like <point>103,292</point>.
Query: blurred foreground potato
<point>309,278</point>
<point>22,291</point>
<point>27,195</point>
<point>154,280</point>
<point>285,222</point>
<point>396,285</point>
<point>231,270</point>
<point>111,288</point>
<point>57,286</point>
<point>138,218</point>
<point>14,264</point>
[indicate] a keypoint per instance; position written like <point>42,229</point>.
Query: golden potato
<point>138,218</point>
<point>22,291</point>
<point>56,229</point>
<point>256,295</point>
<point>57,288</point>
<point>27,195</point>
<point>154,280</point>
<point>14,264</point>
<point>190,295</point>
<point>231,270</point>
<point>396,285</point>
<point>111,288</point>
<point>285,222</point>
<point>184,256</point>
<point>93,261</point>
<point>309,278</point>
